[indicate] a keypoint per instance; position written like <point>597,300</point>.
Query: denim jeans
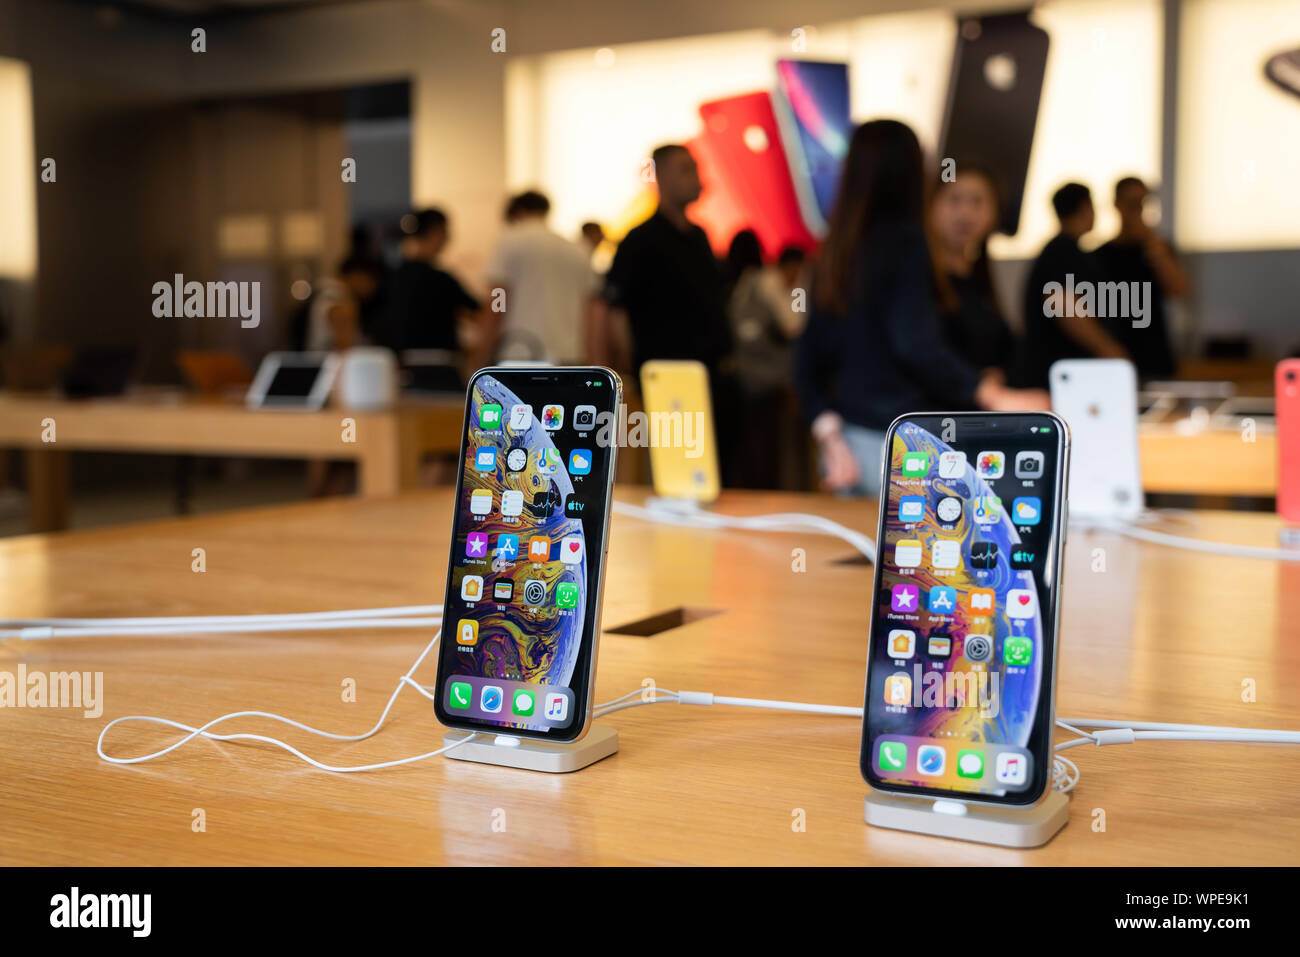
<point>868,447</point>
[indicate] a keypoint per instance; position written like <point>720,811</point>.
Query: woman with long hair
<point>963,214</point>
<point>873,348</point>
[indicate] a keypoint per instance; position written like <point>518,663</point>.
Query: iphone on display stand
<point>965,613</point>
<point>683,453</point>
<point>1286,404</point>
<point>1098,400</point>
<point>529,535</point>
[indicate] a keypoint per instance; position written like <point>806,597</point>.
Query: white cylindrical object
<point>368,378</point>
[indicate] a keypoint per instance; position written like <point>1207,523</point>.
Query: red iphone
<point>1286,402</point>
<point>743,138</point>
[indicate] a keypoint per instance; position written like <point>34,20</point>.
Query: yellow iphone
<point>678,429</point>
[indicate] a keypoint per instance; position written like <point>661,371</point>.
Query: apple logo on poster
<point>1000,72</point>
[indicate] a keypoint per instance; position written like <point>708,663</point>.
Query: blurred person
<point>334,322</point>
<point>963,214</point>
<point>426,303</point>
<point>664,276</point>
<point>1138,254</point>
<point>1076,333</point>
<point>593,234</point>
<point>764,325</point>
<point>549,287</point>
<point>665,280</point>
<point>873,348</point>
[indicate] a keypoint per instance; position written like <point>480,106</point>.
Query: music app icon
<point>557,707</point>
<point>1012,768</point>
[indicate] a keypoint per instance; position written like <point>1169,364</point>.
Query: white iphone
<point>1097,398</point>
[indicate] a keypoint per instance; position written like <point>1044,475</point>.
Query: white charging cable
<point>1190,544</point>
<point>401,616</point>
<point>689,514</point>
<point>205,731</point>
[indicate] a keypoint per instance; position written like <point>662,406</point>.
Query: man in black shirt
<point>425,302</point>
<point>1056,325</point>
<point>664,275</point>
<point>1138,255</point>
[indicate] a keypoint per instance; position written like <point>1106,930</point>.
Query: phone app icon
<point>508,547</point>
<point>892,756</point>
<point>907,553</point>
<point>512,502</point>
<point>988,510</point>
<point>945,553</point>
<point>1029,465</point>
<point>521,418</point>
<point>983,554</point>
<point>943,600</point>
<point>977,649</point>
<point>1017,651</point>
<point>524,703</point>
<point>580,462</point>
<point>491,699</point>
<point>930,759</point>
<point>471,587</point>
<point>571,550</point>
<point>915,464</point>
<point>485,460</point>
<point>1011,768</point>
<point>939,646</point>
<point>548,461</point>
<point>1027,510</point>
<point>461,695</point>
<point>566,595</point>
<point>467,634</point>
<point>503,589</point>
<point>480,501</point>
<point>557,707</point>
<point>902,643</point>
<point>981,601</point>
<point>970,764</point>
<point>539,549</point>
<point>1022,557</point>
<point>911,508</point>
<point>476,545</point>
<point>905,598</point>
<point>1020,603</point>
<point>948,509</point>
<point>517,460</point>
<point>534,591</point>
<point>991,465</point>
<point>952,465</point>
<point>489,416</point>
<point>553,417</point>
<point>898,690</point>
<point>584,418</point>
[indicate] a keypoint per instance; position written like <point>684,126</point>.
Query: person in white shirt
<point>542,289</point>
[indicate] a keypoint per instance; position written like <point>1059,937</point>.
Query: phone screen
<point>523,592</point>
<point>959,698</point>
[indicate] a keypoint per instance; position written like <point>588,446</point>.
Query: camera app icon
<point>1029,465</point>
